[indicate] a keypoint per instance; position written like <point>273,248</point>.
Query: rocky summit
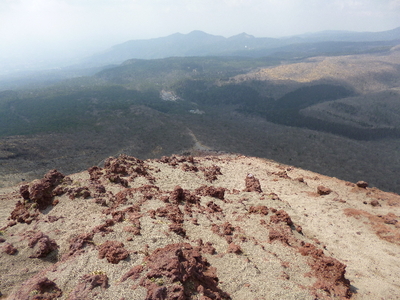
<point>207,227</point>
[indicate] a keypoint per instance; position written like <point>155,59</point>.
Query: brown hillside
<point>365,73</point>
<point>213,227</point>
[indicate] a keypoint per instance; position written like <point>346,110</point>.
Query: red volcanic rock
<point>79,242</point>
<point>178,229</point>
<point>260,209</point>
<point>210,173</point>
<point>212,207</point>
<point>21,214</point>
<point>375,203</point>
<point>224,230</point>
<point>308,249</point>
<point>211,191</point>
<point>42,192</point>
<point>115,166</point>
<point>281,216</point>
<point>273,196</point>
<point>233,248</point>
<point>117,179</point>
<point>171,212</point>
<point>42,244</point>
<point>252,184</point>
<point>87,284</point>
<point>133,273</point>
<point>328,271</point>
<point>205,248</point>
<point>330,277</point>
<point>189,168</point>
<point>177,195</point>
<point>24,192</point>
<point>279,234</point>
<point>321,190</point>
<point>104,228</point>
<point>362,184</point>
<point>79,192</point>
<point>38,289</point>
<point>99,188</point>
<point>390,218</point>
<point>282,174</point>
<point>9,249</point>
<point>95,173</point>
<point>177,271</point>
<point>114,251</point>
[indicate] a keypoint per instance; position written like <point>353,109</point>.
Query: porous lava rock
<point>252,184</point>
<point>179,195</point>
<point>78,243</point>
<point>177,271</point>
<point>38,288</point>
<point>260,209</point>
<point>114,251</point>
<point>210,173</point>
<point>79,192</point>
<point>9,249</point>
<point>87,283</point>
<point>330,272</point>
<point>21,214</point>
<point>41,192</point>
<point>41,244</point>
<point>211,191</point>
<point>281,216</point>
<point>233,248</point>
<point>24,191</point>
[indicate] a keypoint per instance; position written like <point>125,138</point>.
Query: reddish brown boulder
<point>41,244</point>
<point>24,192</point>
<point>330,272</point>
<point>281,216</point>
<point>87,283</point>
<point>177,271</point>
<point>252,184</point>
<point>375,203</point>
<point>9,249</point>
<point>233,248</point>
<point>38,289</point>
<point>21,214</point>
<point>210,173</point>
<point>321,190</point>
<point>362,184</point>
<point>78,243</point>
<point>211,191</point>
<point>260,209</point>
<point>114,251</point>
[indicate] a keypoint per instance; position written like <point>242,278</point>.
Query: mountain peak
<point>242,35</point>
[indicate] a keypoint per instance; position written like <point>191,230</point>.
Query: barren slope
<point>215,227</point>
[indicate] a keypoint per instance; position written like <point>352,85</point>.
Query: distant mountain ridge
<point>199,43</point>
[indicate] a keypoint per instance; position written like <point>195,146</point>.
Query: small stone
<point>362,184</point>
<point>375,203</point>
<point>321,190</point>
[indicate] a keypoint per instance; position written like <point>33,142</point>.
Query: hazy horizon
<point>39,31</point>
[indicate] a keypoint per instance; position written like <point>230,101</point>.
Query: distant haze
<point>36,31</point>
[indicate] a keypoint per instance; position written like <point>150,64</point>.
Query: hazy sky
<point>75,26</point>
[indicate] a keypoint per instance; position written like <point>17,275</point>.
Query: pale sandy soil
<point>270,263</point>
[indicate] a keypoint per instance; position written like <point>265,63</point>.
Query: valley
<point>335,115</point>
